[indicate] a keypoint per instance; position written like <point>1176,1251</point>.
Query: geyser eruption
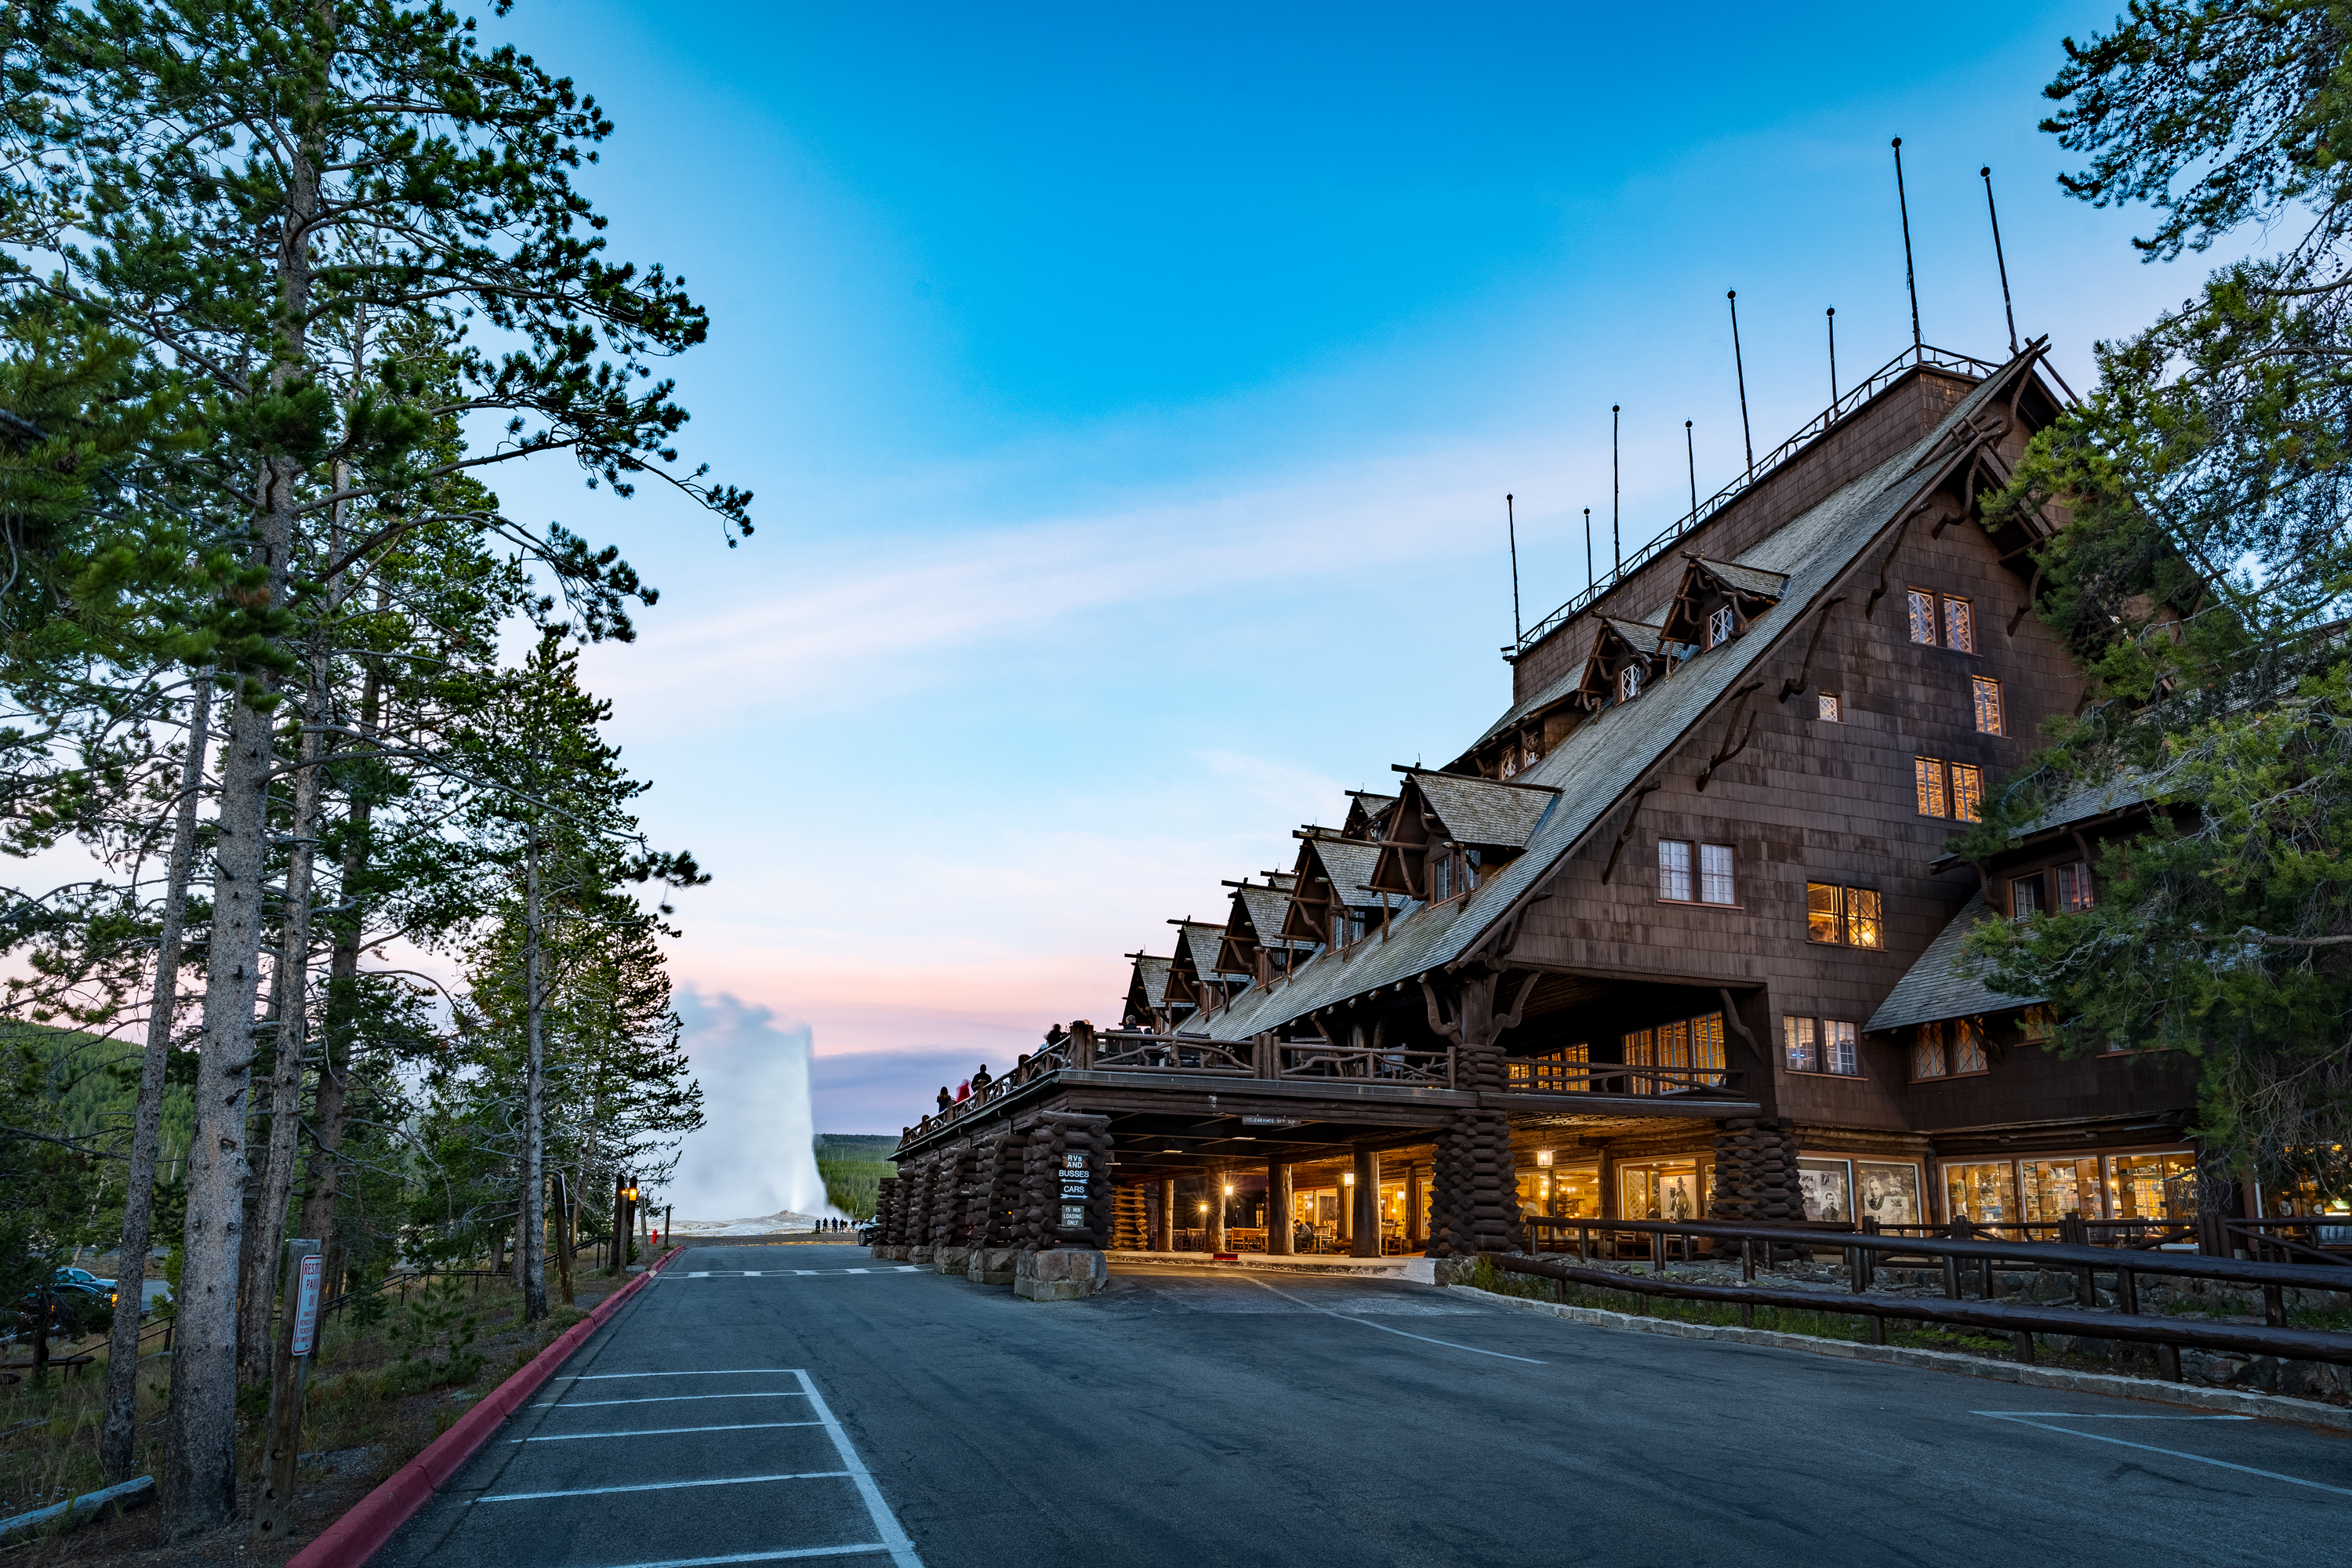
<point>756,1153</point>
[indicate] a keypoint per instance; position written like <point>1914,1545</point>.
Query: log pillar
<point>1218,1202</point>
<point>1280,1229</point>
<point>1168,1214</point>
<point>1474,1200</point>
<point>1416,1232</point>
<point>1344,1212</point>
<point>1368,1205</point>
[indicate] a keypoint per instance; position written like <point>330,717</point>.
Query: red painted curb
<point>351,1539</point>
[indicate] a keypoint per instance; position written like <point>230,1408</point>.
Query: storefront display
<point>1827,1188</point>
<point>2153,1186</point>
<point>1985,1193</point>
<point>2052,1189</point>
<point>1661,1189</point>
<point>1563,1192</point>
<point>1887,1192</point>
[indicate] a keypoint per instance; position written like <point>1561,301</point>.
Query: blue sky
<point>1130,396</point>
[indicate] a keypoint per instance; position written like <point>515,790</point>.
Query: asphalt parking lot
<point>770,1404</point>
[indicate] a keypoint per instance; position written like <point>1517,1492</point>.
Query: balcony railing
<point>1548,1077</point>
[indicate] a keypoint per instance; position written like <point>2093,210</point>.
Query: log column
<point>1168,1214</point>
<point>1368,1205</point>
<point>1344,1212</point>
<point>1416,1234</point>
<point>1280,1230</point>
<point>1475,1203</point>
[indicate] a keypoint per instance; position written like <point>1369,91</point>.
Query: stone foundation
<point>916,1254</point>
<point>993,1265</point>
<point>1060,1274</point>
<point>949,1259</point>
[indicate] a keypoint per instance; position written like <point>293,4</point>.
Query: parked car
<point>83,1281</point>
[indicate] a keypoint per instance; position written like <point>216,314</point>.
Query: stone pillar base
<point>884,1253</point>
<point>916,1255</point>
<point>993,1265</point>
<point>1060,1274</point>
<point>949,1259</point>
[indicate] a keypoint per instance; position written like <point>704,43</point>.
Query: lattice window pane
<point>1927,1059</point>
<point>1967,791</point>
<point>1959,625</point>
<point>1863,927</point>
<point>1707,1042</point>
<point>1831,708</point>
<point>2073,889</point>
<point>1968,1045</point>
<point>1928,774</point>
<point>1923,616</point>
<point>1988,701</point>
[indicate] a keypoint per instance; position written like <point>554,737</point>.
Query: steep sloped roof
<point>1151,980</point>
<point>1941,985</point>
<point>1197,943</point>
<point>1613,752</point>
<point>1266,908</point>
<point>1746,579</point>
<point>1347,862</point>
<point>1482,811</point>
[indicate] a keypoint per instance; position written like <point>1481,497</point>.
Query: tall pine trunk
<point>531,1235</point>
<point>116,1448</point>
<point>293,975</point>
<point>199,1490</point>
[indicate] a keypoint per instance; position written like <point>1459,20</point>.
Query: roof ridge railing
<point>1870,386</point>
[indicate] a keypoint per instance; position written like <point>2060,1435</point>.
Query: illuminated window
<point>1802,1043</point>
<point>1923,616</point>
<point>2073,889</point>
<point>1848,916</point>
<point>1988,700</point>
<point>1840,1047</point>
<point>1674,870</point>
<point>1715,874</point>
<point>1719,627</point>
<point>1831,708</point>
<point>1822,1044</point>
<point>1930,776</point>
<point>1948,789</point>
<point>1824,912</point>
<point>1959,625</point>
<point>1968,1045</point>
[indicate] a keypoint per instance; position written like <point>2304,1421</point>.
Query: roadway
<point>771,1404</point>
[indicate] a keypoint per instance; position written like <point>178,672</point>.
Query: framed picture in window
<point>1886,1192</point>
<point>1827,1188</point>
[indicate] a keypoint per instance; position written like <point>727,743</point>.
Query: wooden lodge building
<point>1674,937</point>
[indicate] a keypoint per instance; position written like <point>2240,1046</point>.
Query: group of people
<point>966,1089</point>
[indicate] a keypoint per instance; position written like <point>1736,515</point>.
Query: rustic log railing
<point>1138,1052</point>
<point>1315,1059</point>
<point>1866,1252</point>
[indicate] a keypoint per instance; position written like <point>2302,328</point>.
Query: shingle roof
<point>1482,812</point>
<point>1746,579</point>
<point>1151,975</point>
<point>1349,863</point>
<point>1266,908</point>
<point>1941,985</point>
<point>1199,942</point>
<point>1612,752</point>
<point>1642,636</point>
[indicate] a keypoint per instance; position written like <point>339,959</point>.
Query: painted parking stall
<point>621,1463</point>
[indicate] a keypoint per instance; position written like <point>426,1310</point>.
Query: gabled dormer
<point>1254,943</point>
<point>1716,602</point>
<point>1329,903</point>
<point>1194,981</point>
<point>1146,995</point>
<point>1365,813</point>
<point>1627,657</point>
<point>1449,832</point>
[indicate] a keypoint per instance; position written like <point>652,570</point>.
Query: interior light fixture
<point>1543,1156</point>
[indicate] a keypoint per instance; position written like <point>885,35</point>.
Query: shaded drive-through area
<point>771,1404</point>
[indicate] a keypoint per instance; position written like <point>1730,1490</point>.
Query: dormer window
<point>1628,683</point>
<point>1719,626</point>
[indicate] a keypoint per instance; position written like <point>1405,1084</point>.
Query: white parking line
<point>667,1485</point>
<point>1425,1339</point>
<point>2152,1449</point>
<point>665,1431</point>
<point>731,1372</point>
<point>666,1399</point>
<point>885,1523</point>
<point>861,1550</point>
